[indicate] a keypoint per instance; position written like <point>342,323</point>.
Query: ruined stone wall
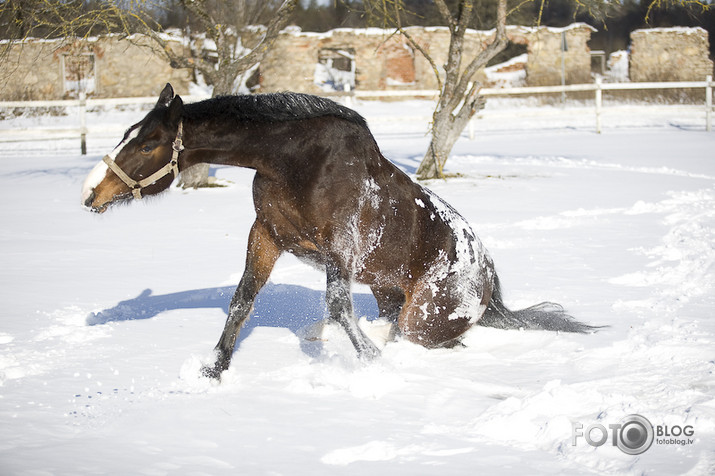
<point>43,69</point>
<point>384,61</point>
<point>544,45</point>
<point>31,71</point>
<point>371,59</point>
<point>670,54</point>
<point>381,60</point>
<point>133,69</point>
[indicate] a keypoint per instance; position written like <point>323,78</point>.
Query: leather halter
<point>172,167</point>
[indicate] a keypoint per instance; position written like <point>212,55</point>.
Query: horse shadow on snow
<point>278,305</point>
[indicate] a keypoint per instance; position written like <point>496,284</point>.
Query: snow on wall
<point>382,61</point>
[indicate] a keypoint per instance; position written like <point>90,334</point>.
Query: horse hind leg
<point>389,302</point>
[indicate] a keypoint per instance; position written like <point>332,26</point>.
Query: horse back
<point>330,194</point>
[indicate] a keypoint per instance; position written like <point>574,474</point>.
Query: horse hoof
<point>213,373</point>
<point>369,353</point>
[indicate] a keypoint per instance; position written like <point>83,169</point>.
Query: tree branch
<point>418,47</point>
<point>445,14</point>
<point>274,27</point>
<point>495,47</point>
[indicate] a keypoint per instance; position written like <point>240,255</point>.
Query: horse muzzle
<point>89,201</point>
<point>89,205</point>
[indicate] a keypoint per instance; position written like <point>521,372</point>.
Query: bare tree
<point>68,19</point>
<point>222,23</point>
<point>459,96</point>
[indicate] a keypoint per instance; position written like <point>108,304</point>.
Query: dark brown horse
<point>324,192</point>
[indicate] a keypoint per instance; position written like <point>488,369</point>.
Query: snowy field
<point>106,319</point>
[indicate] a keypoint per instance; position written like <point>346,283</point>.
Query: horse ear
<point>176,110</point>
<point>167,94</point>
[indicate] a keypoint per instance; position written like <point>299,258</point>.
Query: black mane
<point>273,107</point>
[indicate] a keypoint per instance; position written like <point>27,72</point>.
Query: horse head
<point>144,163</point>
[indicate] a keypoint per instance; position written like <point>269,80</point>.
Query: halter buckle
<point>178,144</point>
<point>171,167</point>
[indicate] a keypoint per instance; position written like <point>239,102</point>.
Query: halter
<point>172,167</point>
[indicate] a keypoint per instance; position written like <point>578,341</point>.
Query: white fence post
<point>83,122</point>
<point>348,96</point>
<point>708,102</point>
<point>599,104</point>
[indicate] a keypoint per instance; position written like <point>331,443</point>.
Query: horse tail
<point>544,316</point>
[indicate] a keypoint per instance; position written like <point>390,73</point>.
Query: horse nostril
<point>90,199</point>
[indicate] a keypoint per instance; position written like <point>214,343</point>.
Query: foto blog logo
<point>633,435</point>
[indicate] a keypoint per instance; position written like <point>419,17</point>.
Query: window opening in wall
<point>78,74</point>
<point>335,69</point>
<point>508,70</point>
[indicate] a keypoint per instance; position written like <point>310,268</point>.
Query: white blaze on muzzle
<point>93,179</point>
<point>172,167</point>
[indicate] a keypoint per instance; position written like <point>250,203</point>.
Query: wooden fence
<point>81,129</point>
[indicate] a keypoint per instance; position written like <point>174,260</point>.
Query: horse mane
<point>270,107</point>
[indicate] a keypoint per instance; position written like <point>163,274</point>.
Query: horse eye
<point>145,149</point>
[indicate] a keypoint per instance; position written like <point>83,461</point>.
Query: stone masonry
<point>363,59</point>
<point>670,54</point>
<point>371,59</point>
<point>384,61</point>
<point>105,66</point>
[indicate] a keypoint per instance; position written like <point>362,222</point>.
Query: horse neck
<point>214,142</point>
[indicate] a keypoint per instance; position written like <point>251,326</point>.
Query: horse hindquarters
<point>444,304</point>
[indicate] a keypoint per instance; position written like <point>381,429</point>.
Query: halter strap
<point>172,167</point>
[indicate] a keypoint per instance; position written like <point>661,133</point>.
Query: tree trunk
<point>197,176</point>
<point>194,177</point>
<point>459,97</point>
<point>444,136</point>
<point>446,130</point>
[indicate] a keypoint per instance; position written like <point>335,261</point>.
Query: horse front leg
<point>340,308</point>
<point>260,259</point>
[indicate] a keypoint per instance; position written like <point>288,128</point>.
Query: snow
<point>332,79</point>
<point>108,319</point>
<point>618,63</point>
<point>682,30</point>
<point>509,74</point>
<point>329,77</point>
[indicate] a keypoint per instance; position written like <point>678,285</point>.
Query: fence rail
<point>82,129</point>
